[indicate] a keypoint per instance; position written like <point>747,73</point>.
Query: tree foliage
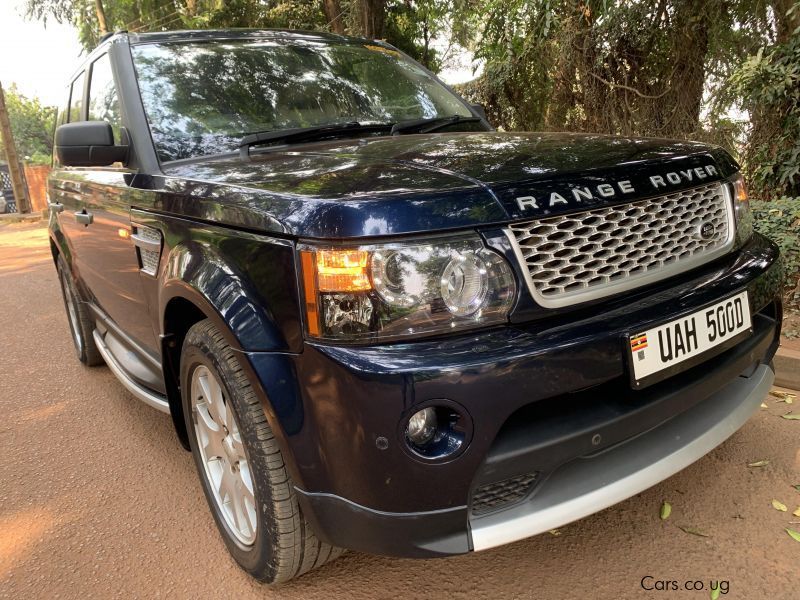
<point>666,68</point>
<point>32,125</point>
<point>643,67</point>
<point>769,85</point>
<point>779,220</point>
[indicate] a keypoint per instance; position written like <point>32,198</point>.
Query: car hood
<point>421,183</point>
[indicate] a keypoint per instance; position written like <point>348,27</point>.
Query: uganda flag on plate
<point>638,342</point>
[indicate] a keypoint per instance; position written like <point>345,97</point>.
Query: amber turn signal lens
<point>337,271</point>
<point>342,271</point>
<point>310,291</point>
<point>741,190</point>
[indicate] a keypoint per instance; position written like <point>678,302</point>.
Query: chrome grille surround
<point>574,258</point>
<point>147,239</point>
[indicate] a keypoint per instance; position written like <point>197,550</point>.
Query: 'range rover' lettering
<point>575,194</point>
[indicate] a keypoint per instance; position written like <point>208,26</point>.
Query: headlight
<point>386,291</point>
<point>742,211</point>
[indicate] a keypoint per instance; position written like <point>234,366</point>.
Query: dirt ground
<point>97,499</point>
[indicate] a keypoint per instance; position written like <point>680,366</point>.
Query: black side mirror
<point>88,144</point>
<point>478,108</point>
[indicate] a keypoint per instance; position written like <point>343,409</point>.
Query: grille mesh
<point>591,254</point>
<point>494,495</point>
<point>149,258</point>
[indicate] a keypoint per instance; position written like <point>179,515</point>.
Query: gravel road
<point>97,498</point>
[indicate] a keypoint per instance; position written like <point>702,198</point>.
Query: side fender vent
<point>148,248</point>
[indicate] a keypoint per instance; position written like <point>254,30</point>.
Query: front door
<point>95,218</point>
<point>109,263</point>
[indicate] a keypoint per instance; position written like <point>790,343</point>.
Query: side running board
<point>149,397</point>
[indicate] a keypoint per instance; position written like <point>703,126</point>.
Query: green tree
<point>93,18</point>
<point>667,68</point>
<point>642,67</point>
<point>769,86</point>
<point>409,24</point>
<point>32,125</point>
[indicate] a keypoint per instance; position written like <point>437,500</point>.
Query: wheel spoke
<point>206,421</point>
<point>236,438</point>
<point>216,399</point>
<point>230,422</point>
<point>212,447</point>
<point>206,390</point>
<point>242,497</point>
<point>225,486</point>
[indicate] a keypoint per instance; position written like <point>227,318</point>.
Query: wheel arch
<point>59,246</point>
<point>183,305</point>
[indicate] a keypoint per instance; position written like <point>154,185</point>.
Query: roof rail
<point>111,34</point>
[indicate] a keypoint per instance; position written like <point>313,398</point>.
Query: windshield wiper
<point>302,134</point>
<point>428,125</point>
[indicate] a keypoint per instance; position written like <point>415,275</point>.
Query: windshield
<point>203,98</point>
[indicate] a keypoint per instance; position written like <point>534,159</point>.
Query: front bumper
<point>550,397</point>
<point>592,483</point>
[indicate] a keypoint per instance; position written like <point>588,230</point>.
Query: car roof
<point>238,34</point>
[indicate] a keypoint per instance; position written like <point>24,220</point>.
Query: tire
<point>261,522</point>
<point>81,324</point>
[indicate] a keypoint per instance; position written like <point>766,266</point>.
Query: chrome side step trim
<point>588,485</point>
<point>148,397</point>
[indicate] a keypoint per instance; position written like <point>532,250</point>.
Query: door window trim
<point>84,93</point>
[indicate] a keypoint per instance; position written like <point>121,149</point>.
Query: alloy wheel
<point>223,456</point>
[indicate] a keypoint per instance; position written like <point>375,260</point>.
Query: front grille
<point>493,496</point>
<point>587,255</point>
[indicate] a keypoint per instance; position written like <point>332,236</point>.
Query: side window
<point>63,110</point>
<point>76,100</point>
<point>103,99</point>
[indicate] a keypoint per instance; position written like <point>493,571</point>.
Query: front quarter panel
<point>245,282</point>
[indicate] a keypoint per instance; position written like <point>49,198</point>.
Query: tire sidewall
<point>255,558</point>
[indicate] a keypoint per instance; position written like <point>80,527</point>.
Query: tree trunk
<point>577,23</point>
<point>682,105</point>
<point>101,16</point>
<point>191,8</point>
<point>333,12</point>
<point>14,171</point>
<point>371,18</point>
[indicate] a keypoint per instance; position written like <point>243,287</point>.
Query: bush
<point>779,220</point>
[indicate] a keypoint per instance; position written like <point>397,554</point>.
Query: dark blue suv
<point>379,324</point>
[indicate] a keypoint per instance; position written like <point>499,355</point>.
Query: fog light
<point>422,426</point>
<point>434,433</point>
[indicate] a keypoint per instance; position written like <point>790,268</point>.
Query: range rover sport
<point>379,324</point>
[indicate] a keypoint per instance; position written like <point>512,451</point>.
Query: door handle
<point>84,218</point>
<point>55,207</point>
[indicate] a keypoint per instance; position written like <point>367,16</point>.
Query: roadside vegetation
<point>32,124</point>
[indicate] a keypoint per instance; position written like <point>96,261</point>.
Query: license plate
<point>660,349</point>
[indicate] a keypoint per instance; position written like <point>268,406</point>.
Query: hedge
<point>779,220</point>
